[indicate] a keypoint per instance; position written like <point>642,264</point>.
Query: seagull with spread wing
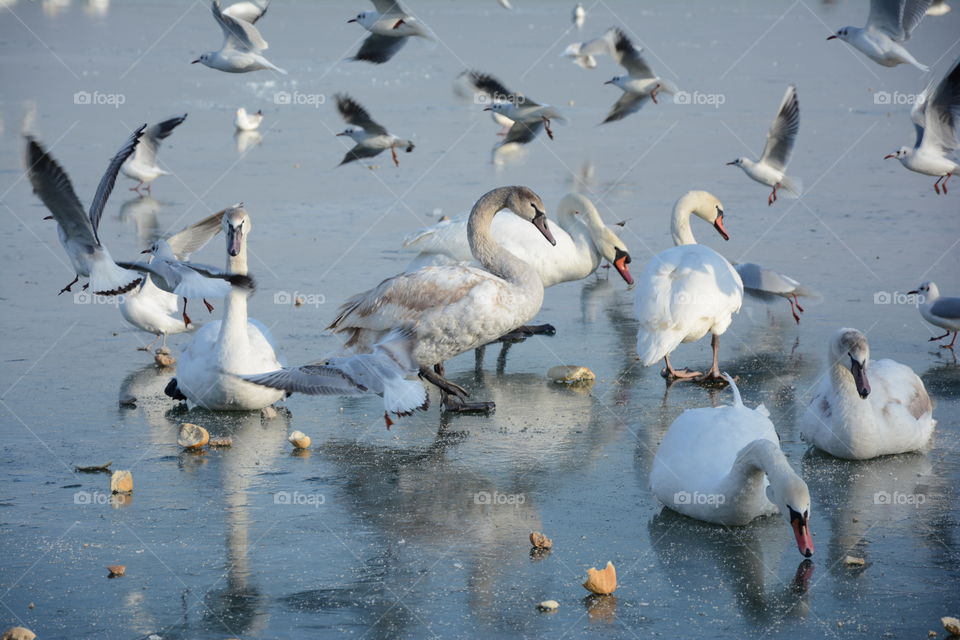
<point>142,165</point>
<point>639,85</point>
<point>77,230</point>
<point>390,26</point>
<point>371,138</point>
<point>242,48</point>
<point>771,168</point>
<point>889,25</point>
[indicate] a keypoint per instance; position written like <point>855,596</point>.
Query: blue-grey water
<point>421,531</point>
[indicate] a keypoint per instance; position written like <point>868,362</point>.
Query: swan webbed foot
<point>671,374</point>
<point>458,405</point>
<point>713,377</point>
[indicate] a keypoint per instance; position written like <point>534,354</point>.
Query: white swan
<point>583,240</point>
<point>455,308</point>
<point>858,417</point>
<point>235,345</point>
<point>725,465</point>
<point>687,291</point>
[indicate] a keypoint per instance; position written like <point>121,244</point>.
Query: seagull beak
<point>608,82</point>
<point>342,133</point>
<point>833,37</point>
<point>913,293</point>
<point>860,378</point>
<point>620,264</point>
<point>540,222</point>
<point>351,20</point>
<point>889,155</point>
<point>732,163</point>
<point>718,225</point>
<point>801,531</point>
<point>145,251</point>
<point>488,108</point>
<point>195,61</point>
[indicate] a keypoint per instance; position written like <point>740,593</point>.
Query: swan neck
<point>235,304</point>
<point>484,247</point>
<point>758,459</point>
<point>680,224</point>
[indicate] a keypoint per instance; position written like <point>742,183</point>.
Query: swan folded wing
<point>895,387</point>
<point>403,299</point>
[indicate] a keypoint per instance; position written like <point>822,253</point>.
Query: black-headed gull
<point>940,311</point>
<point>245,121</point>
<point>142,165</point>
<point>585,53</point>
<point>936,118</point>
<point>241,48</point>
<point>476,84</point>
<point>383,371</point>
<point>890,23</point>
<point>78,230</point>
<point>247,10</point>
<point>170,270</point>
<point>770,169</point>
<point>579,15</point>
<point>767,284</point>
<point>390,25</point>
<point>371,138</point>
<point>527,115</point>
<point>641,83</point>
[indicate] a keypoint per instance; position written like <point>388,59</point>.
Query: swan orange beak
<point>860,378</point>
<point>833,37</point>
<point>801,531</point>
<point>718,225</point>
<point>540,222</point>
<point>620,264</point>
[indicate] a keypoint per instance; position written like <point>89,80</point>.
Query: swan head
<point>528,205</point>
<point>236,225</point>
<point>789,492</point>
<point>900,153</point>
<point>926,292</point>
<point>850,345</point>
<point>705,206</point>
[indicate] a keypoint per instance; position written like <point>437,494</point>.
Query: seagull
<point>889,24</point>
<point>940,311</point>
<point>579,15</point>
<point>938,8</point>
<point>389,26</point>
<point>477,84</point>
<point>505,4</point>
<point>170,271</point>
<point>383,372</point>
<point>528,117</point>
<point>241,48</point>
<point>640,84</point>
<point>78,230</point>
<point>936,118</point>
<point>766,284</point>
<point>142,166</point>
<point>247,121</point>
<point>371,138</point>
<point>585,53</point>
<point>776,154</point>
<point>150,308</point>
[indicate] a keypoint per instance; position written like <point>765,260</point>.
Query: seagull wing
<point>913,12</point>
<point>942,115</point>
<point>354,113</point>
<point>360,151</point>
<point>389,8</point>
<point>110,178</point>
<point>523,132</point>
<point>783,132</point>
<point>248,10</point>
<point>237,34</point>
<point>52,185</point>
<point>629,57</point>
<point>627,104</point>
<point>196,236</point>
<point>379,49</point>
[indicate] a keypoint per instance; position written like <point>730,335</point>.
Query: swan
<point>455,308</point>
<point>583,240</point>
<point>724,465</point>
<point>940,311</point>
<point>686,291</point>
<point>235,345</point>
<point>855,417</point>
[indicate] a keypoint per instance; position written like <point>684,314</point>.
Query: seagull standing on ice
<point>78,230</point>
<point>371,138</point>
<point>247,121</point>
<point>241,48</point>
<point>579,15</point>
<point>936,117</point>
<point>390,26</point>
<point>142,165</point>
<point>889,25</point>
<point>940,311</point>
<point>770,170</point>
<point>641,83</point>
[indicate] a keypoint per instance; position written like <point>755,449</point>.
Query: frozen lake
<point>421,531</point>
